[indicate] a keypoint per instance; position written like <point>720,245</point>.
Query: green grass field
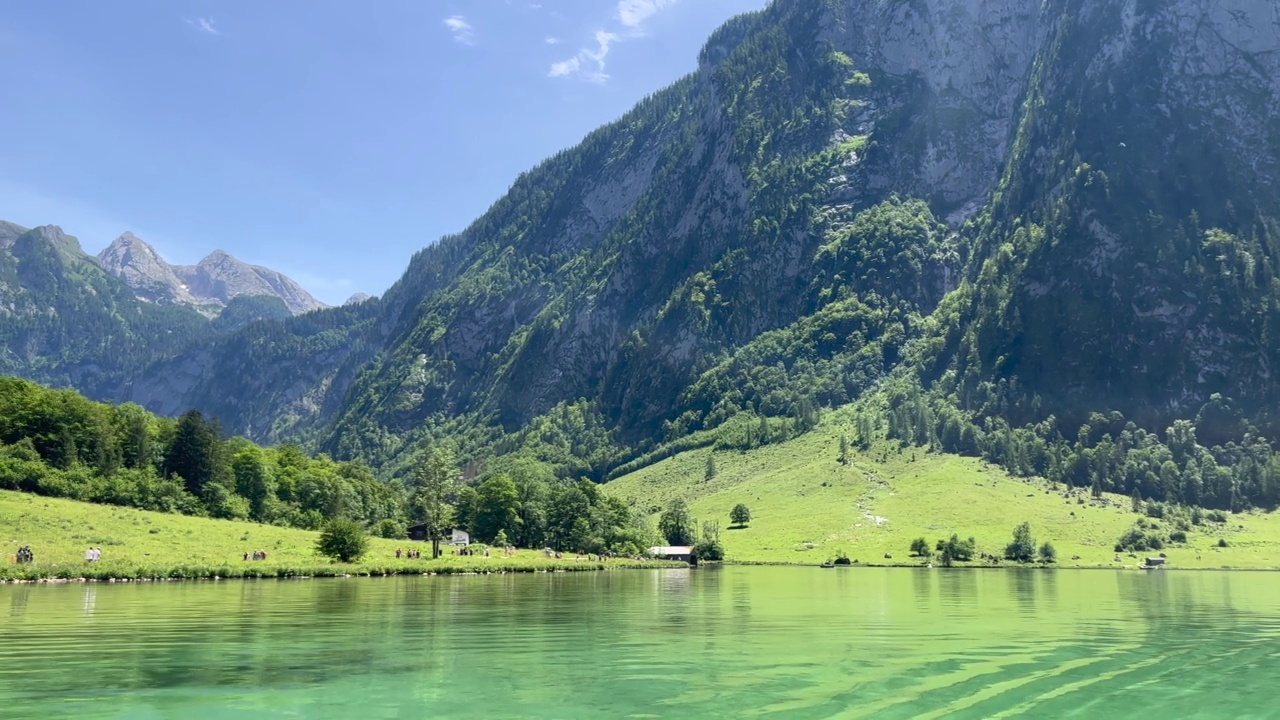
<point>807,507</point>
<point>140,544</point>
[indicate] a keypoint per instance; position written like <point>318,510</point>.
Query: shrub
<point>1222,542</point>
<point>391,529</point>
<point>1217,516</point>
<point>342,540</point>
<point>1047,553</point>
<point>920,548</point>
<point>1197,516</point>
<point>709,551</point>
<point>1177,536</point>
<point>1023,547</point>
<point>1155,509</point>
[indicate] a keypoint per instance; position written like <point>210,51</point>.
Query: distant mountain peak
<point>357,299</point>
<point>215,280</point>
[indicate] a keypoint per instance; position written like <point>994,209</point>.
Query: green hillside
<point>144,544</point>
<point>806,507</point>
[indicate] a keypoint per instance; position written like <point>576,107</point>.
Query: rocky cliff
<point>1047,208</point>
<point>213,282</point>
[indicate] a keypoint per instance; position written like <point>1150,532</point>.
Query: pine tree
<point>710,473</point>
<point>844,449</point>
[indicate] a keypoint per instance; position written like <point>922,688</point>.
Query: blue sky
<point>327,139</point>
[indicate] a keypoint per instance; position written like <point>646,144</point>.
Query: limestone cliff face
<point>141,268</point>
<point>211,284</point>
<point>219,277</point>
<point>622,270</point>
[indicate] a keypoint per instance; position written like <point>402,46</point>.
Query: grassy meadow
<point>806,507</point>
<point>141,544</point>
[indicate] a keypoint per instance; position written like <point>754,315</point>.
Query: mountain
<point>65,321</point>
<point>138,264</point>
<point>214,281</point>
<point>357,298</point>
<point>1022,219</point>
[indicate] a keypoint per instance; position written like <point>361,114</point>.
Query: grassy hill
<point>142,544</point>
<point>806,507</point>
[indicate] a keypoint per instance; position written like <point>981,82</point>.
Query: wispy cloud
<point>633,13</point>
<point>203,24</point>
<point>461,29</point>
<point>589,62</point>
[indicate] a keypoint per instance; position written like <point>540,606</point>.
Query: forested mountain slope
<point>1023,209</point>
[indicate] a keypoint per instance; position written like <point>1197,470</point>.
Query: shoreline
<point>1002,566</point>
<point>136,574</point>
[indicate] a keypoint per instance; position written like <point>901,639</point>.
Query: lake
<point>712,642</point>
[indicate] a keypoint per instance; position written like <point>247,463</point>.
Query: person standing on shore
<point>88,555</point>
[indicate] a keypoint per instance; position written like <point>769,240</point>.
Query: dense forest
<point>58,443</point>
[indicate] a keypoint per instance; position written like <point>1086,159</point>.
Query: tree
<point>676,524</point>
<point>1137,501</point>
<point>391,529</point>
<point>956,550</point>
<point>343,540</point>
<point>64,450</point>
<point>710,473</point>
<point>844,449</point>
<point>107,456</point>
<point>255,481</point>
<point>1023,547</point>
<point>136,447</point>
<point>501,540</point>
<point>497,507</point>
<point>709,547</point>
<point>1047,553</point>
<point>435,488</point>
<point>920,548</point>
<point>193,454</point>
<point>740,515</point>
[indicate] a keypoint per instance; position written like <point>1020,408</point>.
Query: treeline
<point>58,443</point>
<point>1108,453</point>
<point>519,501</point>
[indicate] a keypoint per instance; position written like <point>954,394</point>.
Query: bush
<point>1177,536</point>
<point>1047,553</point>
<point>1023,547</point>
<point>342,540</point>
<point>391,529</point>
<point>1197,516</point>
<point>1217,516</point>
<point>920,548</point>
<point>1222,542</point>
<point>1155,509</point>
<point>709,551</point>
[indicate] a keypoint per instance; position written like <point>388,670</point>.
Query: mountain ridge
<point>1035,213</point>
<point>214,281</point>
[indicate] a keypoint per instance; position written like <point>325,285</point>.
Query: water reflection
<point>787,642</point>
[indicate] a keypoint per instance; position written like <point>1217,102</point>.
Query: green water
<point>730,642</point>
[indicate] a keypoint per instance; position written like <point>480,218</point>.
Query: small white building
<point>459,537</point>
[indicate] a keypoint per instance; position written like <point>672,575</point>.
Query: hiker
<point>88,555</point>
<point>246,557</point>
<point>97,554</point>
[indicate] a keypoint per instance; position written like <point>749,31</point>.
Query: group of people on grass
<point>408,554</point>
<point>24,556</point>
<point>93,554</point>
<point>257,555</point>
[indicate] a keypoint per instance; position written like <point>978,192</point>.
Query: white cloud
<point>589,62</point>
<point>461,29</point>
<point>204,25</point>
<point>633,13</point>
<point>552,40</point>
